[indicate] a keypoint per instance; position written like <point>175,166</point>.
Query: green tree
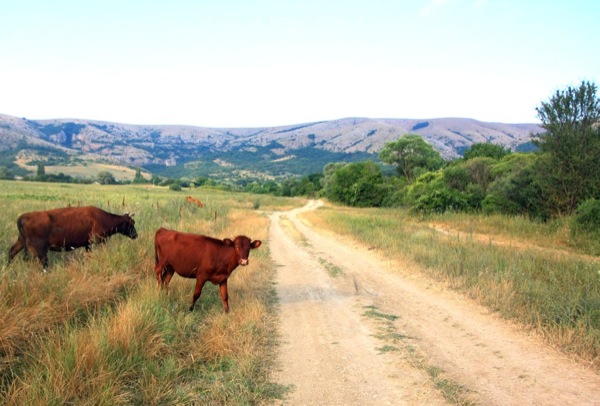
<point>138,178</point>
<point>412,156</point>
<point>155,180</point>
<point>570,167</point>
<point>105,178</point>
<point>516,188</point>
<point>200,180</point>
<point>6,173</point>
<point>40,171</point>
<point>487,149</point>
<point>355,184</point>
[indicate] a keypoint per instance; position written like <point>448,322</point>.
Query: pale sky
<point>255,63</point>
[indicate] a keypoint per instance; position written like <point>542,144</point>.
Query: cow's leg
<point>159,270</point>
<point>41,254</point>
<point>224,296</point>
<point>15,249</point>
<point>38,247</point>
<point>167,275</point>
<point>199,285</point>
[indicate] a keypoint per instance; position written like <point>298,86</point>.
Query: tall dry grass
<point>96,329</point>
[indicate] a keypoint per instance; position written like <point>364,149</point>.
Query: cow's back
<point>189,254</point>
<point>68,226</point>
<point>36,224</point>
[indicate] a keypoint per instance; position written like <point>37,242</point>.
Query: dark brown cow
<point>66,229</point>
<point>201,257</point>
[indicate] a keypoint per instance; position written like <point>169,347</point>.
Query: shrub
<point>442,200</point>
<point>587,217</point>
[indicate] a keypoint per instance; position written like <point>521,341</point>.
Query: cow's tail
<point>20,243</point>
<point>157,255</point>
<point>156,249</point>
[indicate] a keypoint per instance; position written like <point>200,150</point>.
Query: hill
<point>224,153</point>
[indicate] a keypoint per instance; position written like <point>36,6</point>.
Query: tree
<point>488,150</point>
<point>41,170</point>
<point>155,180</point>
<point>6,173</point>
<point>412,156</point>
<point>516,188</point>
<point>355,184</point>
<point>105,178</point>
<point>570,167</point>
<point>138,178</point>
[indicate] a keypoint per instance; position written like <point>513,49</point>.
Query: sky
<point>263,63</point>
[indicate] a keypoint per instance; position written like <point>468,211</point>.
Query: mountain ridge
<point>159,147</point>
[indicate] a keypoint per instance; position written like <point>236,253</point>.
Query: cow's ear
<point>228,242</point>
<point>255,244</point>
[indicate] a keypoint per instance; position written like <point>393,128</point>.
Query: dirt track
<point>357,329</point>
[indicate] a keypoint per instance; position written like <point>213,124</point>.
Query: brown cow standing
<point>66,229</point>
<point>201,257</point>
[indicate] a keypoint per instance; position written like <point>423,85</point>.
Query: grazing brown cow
<point>192,200</point>
<point>66,229</point>
<point>201,257</point>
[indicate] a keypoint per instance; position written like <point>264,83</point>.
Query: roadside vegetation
<point>497,261</point>
<point>96,329</point>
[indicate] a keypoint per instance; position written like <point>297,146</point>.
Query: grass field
<point>529,272</point>
<point>97,330</point>
<point>87,170</point>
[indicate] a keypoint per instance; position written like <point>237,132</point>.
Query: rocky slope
<point>144,145</point>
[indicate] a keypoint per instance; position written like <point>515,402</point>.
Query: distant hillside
<point>237,152</point>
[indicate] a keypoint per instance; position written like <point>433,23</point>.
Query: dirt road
<point>357,329</point>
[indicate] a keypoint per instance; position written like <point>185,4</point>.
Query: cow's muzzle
<point>244,262</point>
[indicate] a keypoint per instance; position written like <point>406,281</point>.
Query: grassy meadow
<point>97,330</point>
<point>86,169</point>
<point>531,273</point>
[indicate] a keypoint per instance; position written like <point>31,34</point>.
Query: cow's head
<point>242,246</point>
<point>127,226</point>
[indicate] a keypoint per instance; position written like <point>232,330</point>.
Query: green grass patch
<point>332,269</point>
<point>373,312</point>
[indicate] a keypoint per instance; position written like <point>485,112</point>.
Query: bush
<point>441,201</point>
<point>355,184</point>
<point>587,217</point>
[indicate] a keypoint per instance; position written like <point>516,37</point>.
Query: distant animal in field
<point>200,257</point>
<point>66,229</point>
<point>194,201</point>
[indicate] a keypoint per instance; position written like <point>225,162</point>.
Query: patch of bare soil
<point>358,329</point>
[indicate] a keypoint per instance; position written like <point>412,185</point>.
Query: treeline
<point>561,177</point>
